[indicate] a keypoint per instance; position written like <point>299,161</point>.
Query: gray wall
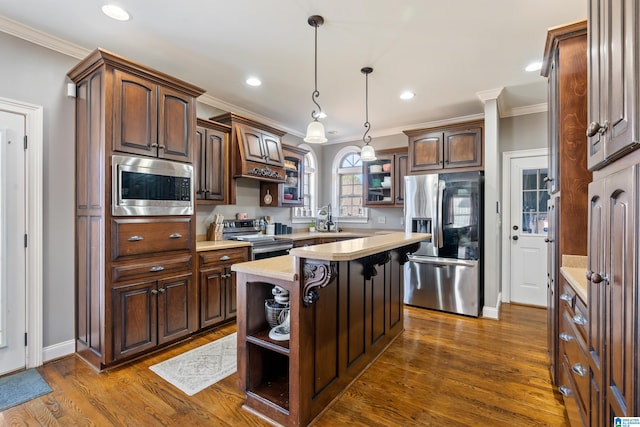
<point>36,75</point>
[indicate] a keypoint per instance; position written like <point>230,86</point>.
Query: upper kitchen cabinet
<point>145,112</point>
<point>212,162</point>
<point>256,149</point>
<point>291,191</point>
<point>614,115</point>
<point>455,147</point>
<point>384,178</point>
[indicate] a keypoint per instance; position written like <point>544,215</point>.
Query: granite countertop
<point>280,267</point>
<point>348,250</point>
<point>211,245</point>
<point>574,269</point>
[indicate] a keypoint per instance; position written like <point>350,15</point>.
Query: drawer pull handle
<point>135,238</point>
<point>175,235</point>
<point>579,369</point>
<point>579,319</point>
<point>225,258</point>
<point>566,337</point>
<point>564,390</point>
<point>156,268</point>
<point>566,297</point>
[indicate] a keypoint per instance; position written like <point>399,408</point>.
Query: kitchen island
<point>345,309</point>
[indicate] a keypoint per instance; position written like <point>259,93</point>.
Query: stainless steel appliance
<point>148,186</point>
<point>446,272</point>
<point>260,245</point>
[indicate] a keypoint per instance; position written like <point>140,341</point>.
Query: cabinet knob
<point>547,179</point>
<point>154,292</point>
<point>566,337</point>
<point>162,147</point>
<point>564,390</point>
<point>579,319</point>
<point>566,297</point>
<point>596,278</point>
<point>597,128</point>
<point>579,369</point>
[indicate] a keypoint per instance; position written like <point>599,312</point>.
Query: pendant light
<point>315,130</point>
<point>367,154</point>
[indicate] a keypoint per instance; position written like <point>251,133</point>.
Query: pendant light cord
<point>315,93</point>
<point>366,138</point>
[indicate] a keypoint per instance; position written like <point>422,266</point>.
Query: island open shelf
<point>346,308</point>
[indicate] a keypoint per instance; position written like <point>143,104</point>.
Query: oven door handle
<point>271,248</point>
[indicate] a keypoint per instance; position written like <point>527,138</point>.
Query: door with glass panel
<point>528,230</point>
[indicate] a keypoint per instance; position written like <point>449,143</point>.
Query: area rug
<point>21,387</point>
<point>201,367</point>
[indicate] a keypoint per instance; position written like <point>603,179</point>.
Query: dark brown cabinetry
<point>565,66</point>
<point>218,284</point>
<point>150,313</point>
<point>454,147</point>
<point>291,191</point>
<point>212,162</point>
<point>256,150</point>
<point>152,119</point>
<point>134,286</point>
<point>614,116</point>
<point>574,378</point>
<point>613,288</point>
<point>384,178</point>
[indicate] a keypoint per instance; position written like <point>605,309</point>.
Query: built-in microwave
<point>147,186</point>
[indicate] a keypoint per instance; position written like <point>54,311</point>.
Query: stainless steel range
<point>261,245</point>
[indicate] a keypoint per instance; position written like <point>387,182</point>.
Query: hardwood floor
<point>443,370</point>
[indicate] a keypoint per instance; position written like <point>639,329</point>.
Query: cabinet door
<point>400,171</point>
<point>250,141</point>
<point>553,131</point>
<point>134,318</point>
<point>212,296</point>
<point>135,110</point>
<point>553,209</point>
<point>613,48</point>
<point>174,295</point>
<point>378,181</point>
<point>211,151</point>
<point>426,152</point>
<point>463,148</point>
<point>272,149</point>
<point>620,325</point>
<point>292,193</point>
<point>176,121</point>
<point>596,293</point>
<point>231,305</point>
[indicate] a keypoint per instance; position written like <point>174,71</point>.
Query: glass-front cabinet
<point>384,178</point>
<point>291,191</point>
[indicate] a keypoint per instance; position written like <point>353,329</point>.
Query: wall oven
<point>147,186</point>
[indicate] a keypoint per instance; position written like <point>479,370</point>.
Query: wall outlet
<point>382,220</point>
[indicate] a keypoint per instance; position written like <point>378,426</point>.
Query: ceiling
<point>447,52</point>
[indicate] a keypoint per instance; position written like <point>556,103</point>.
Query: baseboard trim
<point>493,312</point>
<point>59,350</point>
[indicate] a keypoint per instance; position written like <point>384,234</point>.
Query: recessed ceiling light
<point>534,66</point>
<point>407,95</point>
<point>115,12</point>
<point>253,81</point>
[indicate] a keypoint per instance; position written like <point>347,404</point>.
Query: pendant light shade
<point>315,130</point>
<point>367,154</point>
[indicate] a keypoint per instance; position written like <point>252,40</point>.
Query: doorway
<point>20,235</point>
<point>524,227</point>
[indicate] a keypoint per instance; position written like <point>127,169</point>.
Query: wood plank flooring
<point>444,370</point>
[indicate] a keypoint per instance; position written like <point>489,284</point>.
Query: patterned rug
<point>201,367</point>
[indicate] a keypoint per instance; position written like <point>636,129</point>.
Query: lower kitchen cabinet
<point>217,284</point>
<point>149,313</point>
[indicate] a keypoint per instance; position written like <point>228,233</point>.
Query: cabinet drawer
<point>151,267</point>
<point>144,236</point>
<point>224,255</point>
<point>567,297</point>
<point>574,412</point>
<point>573,352</point>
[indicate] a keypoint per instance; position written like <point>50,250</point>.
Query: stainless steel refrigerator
<point>446,272</point>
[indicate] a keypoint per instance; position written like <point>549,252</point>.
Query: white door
<point>12,243</point>
<point>528,230</point>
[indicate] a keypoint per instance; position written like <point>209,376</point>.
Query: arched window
<point>348,186</point>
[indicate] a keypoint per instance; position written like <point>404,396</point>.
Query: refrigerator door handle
<point>439,241</point>
<point>442,261</point>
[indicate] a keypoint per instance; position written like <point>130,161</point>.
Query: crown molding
<point>523,111</point>
<point>41,38</point>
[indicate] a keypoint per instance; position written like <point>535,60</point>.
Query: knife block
<point>214,232</point>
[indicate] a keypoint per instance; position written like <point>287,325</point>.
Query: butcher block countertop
<point>349,250</point>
